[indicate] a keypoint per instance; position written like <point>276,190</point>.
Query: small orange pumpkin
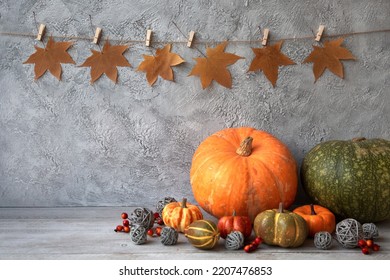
<point>180,215</point>
<point>318,218</point>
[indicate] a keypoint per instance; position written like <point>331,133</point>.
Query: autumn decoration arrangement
<point>212,66</point>
<point>247,180</point>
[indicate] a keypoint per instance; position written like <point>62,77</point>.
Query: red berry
<point>365,250</point>
<point>247,248</point>
<point>258,240</point>
<point>126,229</point>
<point>156,215</point>
<point>150,232</point>
<point>126,223</point>
<point>362,243</point>
<point>369,243</point>
<point>119,228</point>
<point>375,247</point>
<point>160,222</point>
<point>124,215</point>
<point>158,230</point>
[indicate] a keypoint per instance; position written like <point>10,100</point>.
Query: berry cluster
<point>154,231</point>
<point>125,227</point>
<point>157,219</point>
<point>253,245</point>
<point>367,246</point>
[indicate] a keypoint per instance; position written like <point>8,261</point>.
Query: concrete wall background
<point>72,144</point>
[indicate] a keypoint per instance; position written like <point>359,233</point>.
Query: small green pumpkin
<point>350,178</point>
<point>281,227</point>
<point>203,234</point>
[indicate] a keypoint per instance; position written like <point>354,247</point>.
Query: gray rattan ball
<point>161,204</point>
<point>323,240</point>
<point>143,217</point>
<point>348,233</point>
<point>234,240</point>
<point>169,236</point>
<point>370,231</point>
<point>138,234</point>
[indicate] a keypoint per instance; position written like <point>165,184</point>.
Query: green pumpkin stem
<point>245,148</point>
<point>312,210</point>
<point>184,203</point>
<point>280,207</point>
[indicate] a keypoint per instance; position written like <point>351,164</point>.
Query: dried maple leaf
<point>50,58</point>
<point>329,57</point>
<point>106,61</point>
<point>268,59</point>
<point>213,66</point>
<point>160,64</point>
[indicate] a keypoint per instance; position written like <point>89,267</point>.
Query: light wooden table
<point>80,233</point>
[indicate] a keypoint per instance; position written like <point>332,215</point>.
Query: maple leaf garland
<point>268,59</point>
<point>213,66</point>
<point>160,64</point>
<point>50,58</point>
<point>329,57</point>
<point>106,61</point>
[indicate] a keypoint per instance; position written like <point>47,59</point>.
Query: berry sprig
<point>367,245</point>
<point>125,227</point>
<point>253,245</point>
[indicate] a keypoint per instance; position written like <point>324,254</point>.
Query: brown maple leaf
<point>268,59</point>
<point>160,64</point>
<point>106,61</point>
<point>50,58</point>
<point>213,66</point>
<point>329,57</point>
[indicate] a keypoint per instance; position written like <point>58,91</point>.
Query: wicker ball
<point>143,217</point>
<point>323,240</point>
<point>169,236</point>
<point>348,233</point>
<point>161,204</point>
<point>234,240</point>
<point>370,231</point>
<point>138,234</point>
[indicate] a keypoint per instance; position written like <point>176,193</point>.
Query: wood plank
<point>87,233</point>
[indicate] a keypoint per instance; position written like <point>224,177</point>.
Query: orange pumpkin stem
<point>245,148</point>
<point>312,210</point>
<point>184,203</point>
<point>280,207</point>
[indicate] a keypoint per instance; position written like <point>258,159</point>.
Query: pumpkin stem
<point>184,203</point>
<point>280,207</point>
<point>312,210</point>
<point>358,139</point>
<point>234,213</point>
<point>245,148</point>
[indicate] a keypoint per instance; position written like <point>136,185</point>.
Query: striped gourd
<point>202,234</point>
<point>350,178</point>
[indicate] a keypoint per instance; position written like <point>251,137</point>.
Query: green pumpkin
<point>202,234</point>
<point>350,178</point>
<point>281,228</point>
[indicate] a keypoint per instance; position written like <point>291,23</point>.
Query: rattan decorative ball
<point>143,217</point>
<point>161,204</point>
<point>348,233</point>
<point>169,236</point>
<point>234,240</point>
<point>323,240</point>
<point>138,234</point>
<point>370,231</point>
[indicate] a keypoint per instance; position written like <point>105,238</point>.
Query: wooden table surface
<point>79,233</point>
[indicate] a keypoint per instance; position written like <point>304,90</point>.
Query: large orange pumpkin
<point>245,170</point>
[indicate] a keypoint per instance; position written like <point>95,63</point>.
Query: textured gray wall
<point>71,143</point>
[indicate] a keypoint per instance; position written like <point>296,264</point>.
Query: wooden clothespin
<point>190,38</point>
<point>41,32</point>
<point>265,37</point>
<point>319,33</point>
<point>148,37</point>
<point>98,35</point>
